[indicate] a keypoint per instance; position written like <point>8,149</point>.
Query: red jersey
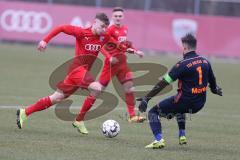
<point>87,43</point>
<point>119,33</point>
<point>116,47</point>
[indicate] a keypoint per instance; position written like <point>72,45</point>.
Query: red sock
<point>41,104</point>
<point>89,101</point>
<point>130,101</point>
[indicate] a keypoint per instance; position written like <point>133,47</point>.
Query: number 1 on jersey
<point>199,69</point>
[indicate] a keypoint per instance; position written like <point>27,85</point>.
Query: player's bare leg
<point>130,101</point>
<point>40,105</point>
<point>95,90</point>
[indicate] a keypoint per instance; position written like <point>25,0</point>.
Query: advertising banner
<point>29,22</point>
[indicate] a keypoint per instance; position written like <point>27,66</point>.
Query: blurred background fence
<point>209,7</point>
<point>154,25</point>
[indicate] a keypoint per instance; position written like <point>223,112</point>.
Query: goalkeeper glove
<point>217,91</point>
<point>143,104</point>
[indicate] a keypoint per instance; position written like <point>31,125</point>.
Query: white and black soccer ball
<point>110,128</point>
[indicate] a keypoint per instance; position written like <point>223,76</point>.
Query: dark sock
<point>155,123</point>
<point>181,120</point>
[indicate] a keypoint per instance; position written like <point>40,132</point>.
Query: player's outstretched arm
<point>156,89</point>
<point>136,52</point>
<point>132,50</point>
<point>67,29</point>
<point>139,53</point>
<point>42,45</point>
<point>215,89</point>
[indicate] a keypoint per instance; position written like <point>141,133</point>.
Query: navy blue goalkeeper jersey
<point>193,73</point>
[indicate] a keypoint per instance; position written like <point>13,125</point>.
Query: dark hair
<point>103,17</point>
<point>190,40</point>
<point>117,9</point>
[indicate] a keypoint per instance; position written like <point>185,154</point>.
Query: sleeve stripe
<point>168,78</point>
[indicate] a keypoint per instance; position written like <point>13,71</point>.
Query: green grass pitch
<point>213,133</point>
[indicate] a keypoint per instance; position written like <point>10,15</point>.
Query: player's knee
<point>95,87</point>
<point>57,97</point>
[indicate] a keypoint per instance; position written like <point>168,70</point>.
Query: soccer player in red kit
<point>115,65</point>
<point>119,32</point>
<point>88,43</point>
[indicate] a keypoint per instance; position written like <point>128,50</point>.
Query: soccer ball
<point>110,128</point>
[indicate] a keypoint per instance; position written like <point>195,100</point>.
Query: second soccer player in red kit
<point>88,43</point>
<point>115,65</point>
<point>118,62</point>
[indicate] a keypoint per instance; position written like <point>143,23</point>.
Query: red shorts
<point>80,77</point>
<point>121,71</point>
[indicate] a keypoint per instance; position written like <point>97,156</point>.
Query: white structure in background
<point>180,27</point>
<point>25,21</point>
<point>77,21</point>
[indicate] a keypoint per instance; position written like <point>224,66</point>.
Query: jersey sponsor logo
<point>199,90</point>
<point>92,47</point>
<point>122,38</point>
<point>180,27</point>
<point>25,21</point>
